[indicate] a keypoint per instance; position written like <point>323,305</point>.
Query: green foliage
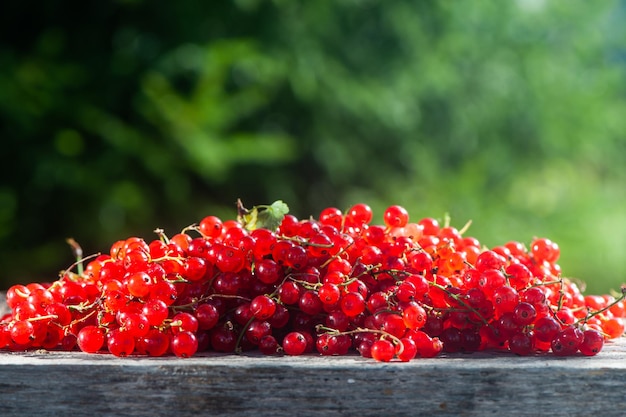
<point>120,117</point>
<point>262,216</point>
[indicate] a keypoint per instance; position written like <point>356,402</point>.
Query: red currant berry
<point>521,344</point>
<point>289,292</point>
<point>331,216</point>
<point>90,339</point>
<point>383,350</point>
<point>592,344</point>
<point>268,345</point>
<point>155,311</point>
<point>414,316</point>
<point>524,314</point>
<point>120,342</point>
<point>396,216</point>
<point>211,226</point>
<point>184,344</point>
<point>310,303</point>
<point>543,249</point>
<point>154,343</point>
<point>262,307</point>
<point>329,293</point>
<point>546,328</point>
<point>22,332</point>
<point>256,330</point>
<point>223,339</point>
<point>268,271</point>
<point>207,315</point>
<point>135,323</point>
<point>352,304</point>
<point>406,350</point>
<point>184,321</point>
<point>359,214</point>
<point>294,343</point>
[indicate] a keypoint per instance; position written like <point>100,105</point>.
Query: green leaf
<point>263,216</point>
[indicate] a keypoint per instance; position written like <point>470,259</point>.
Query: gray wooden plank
<point>72,383</point>
<point>4,309</point>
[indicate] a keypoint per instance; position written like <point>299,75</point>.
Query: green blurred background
<point>117,117</point>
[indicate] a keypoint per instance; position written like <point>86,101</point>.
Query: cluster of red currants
<point>332,285</point>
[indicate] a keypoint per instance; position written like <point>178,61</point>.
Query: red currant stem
<point>211,281</point>
<point>84,307</point>
<point>306,284</point>
<point>368,269</point>
<point>460,301</point>
<point>561,295</point>
<point>290,275</point>
<point>178,279</point>
<point>546,283</point>
<point>388,311</point>
<point>161,234</point>
<point>175,323</point>
<point>23,294</point>
<point>78,263</point>
<point>169,258</point>
<point>317,285</point>
<point>77,251</point>
<point>393,272</point>
<point>295,274</point>
<point>241,333</point>
<point>396,274</point>
<point>417,248</point>
<point>445,309</point>
<point>433,308</point>
<point>335,332</point>
<point>602,310</point>
<point>82,318</point>
<point>507,280</point>
<point>580,308</point>
<point>192,227</point>
<point>446,220</point>
<point>348,282</point>
<point>343,220</point>
<point>304,242</point>
<point>465,227</point>
<point>57,325</point>
<point>46,317</point>
<point>187,306</point>
<point>337,255</point>
<point>197,229</point>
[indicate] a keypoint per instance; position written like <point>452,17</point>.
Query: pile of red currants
<point>334,285</point>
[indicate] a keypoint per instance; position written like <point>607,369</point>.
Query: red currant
<point>294,343</point>
<point>383,350</point>
<point>90,339</point>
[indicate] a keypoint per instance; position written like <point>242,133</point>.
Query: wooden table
<point>481,384</point>
<point>76,384</point>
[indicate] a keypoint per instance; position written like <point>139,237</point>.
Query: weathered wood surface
<point>4,309</point>
<point>76,384</point>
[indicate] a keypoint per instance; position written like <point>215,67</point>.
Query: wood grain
<point>481,384</point>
